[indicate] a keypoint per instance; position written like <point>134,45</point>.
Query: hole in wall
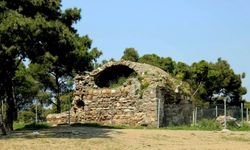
<point>80,104</point>
<point>114,76</point>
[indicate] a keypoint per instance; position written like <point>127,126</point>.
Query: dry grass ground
<point>82,138</point>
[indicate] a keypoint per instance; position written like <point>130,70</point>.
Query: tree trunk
<point>2,124</point>
<point>58,105</point>
<point>58,100</point>
<point>10,114</point>
<point>11,110</point>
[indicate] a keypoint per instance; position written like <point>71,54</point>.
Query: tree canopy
<point>165,63</point>
<point>130,54</point>
<point>207,78</point>
<point>38,30</point>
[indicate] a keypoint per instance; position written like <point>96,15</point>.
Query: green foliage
<point>71,16</point>
<point>38,30</point>
<point>26,88</point>
<point>44,98</point>
<point>144,84</point>
<point>26,116</point>
<point>66,99</point>
<point>212,125</point>
<point>206,124</point>
<point>151,59</point>
<point>217,78</point>
<point>183,71</point>
<point>232,125</point>
<point>206,78</point>
<point>247,104</point>
<point>245,126</point>
<point>18,125</point>
<point>130,54</point>
<point>165,63</point>
<point>118,82</point>
<point>29,114</point>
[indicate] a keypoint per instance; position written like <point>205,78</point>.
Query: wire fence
<point>187,114</point>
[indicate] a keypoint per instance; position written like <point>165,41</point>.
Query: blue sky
<point>186,30</point>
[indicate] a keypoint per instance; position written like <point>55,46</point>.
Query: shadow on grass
<point>32,126</point>
<point>96,125</point>
<point>74,131</point>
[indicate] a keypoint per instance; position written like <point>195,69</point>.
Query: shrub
<point>26,116</point>
<point>206,124</point>
<point>245,126</point>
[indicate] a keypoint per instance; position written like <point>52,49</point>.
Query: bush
<point>245,126</point>
<point>26,116</point>
<point>206,124</point>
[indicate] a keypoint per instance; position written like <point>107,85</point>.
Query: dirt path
<point>75,138</point>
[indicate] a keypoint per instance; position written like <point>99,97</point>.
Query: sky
<point>185,30</point>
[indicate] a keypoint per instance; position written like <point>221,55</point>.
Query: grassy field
<point>99,138</point>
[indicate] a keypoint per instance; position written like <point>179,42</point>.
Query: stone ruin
<point>143,98</point>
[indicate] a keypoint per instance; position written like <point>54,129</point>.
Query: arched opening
<point>114,76</point>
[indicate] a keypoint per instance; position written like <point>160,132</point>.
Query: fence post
<point>158,115</point>
<point>225,113</point>
<point>2,111</point>
<point>242,119</point>
<point>36,111</point>
<point>216,111</point>
<point>196,115</point>
<point>193,117</point>
<point>69,105</point>
<point>247,115</point>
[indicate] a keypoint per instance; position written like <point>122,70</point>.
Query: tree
<point>165,63</point>
<point>40,31</point>
<point>214,78</point>
<point>151,59</point>
<point>183,71</point>
<point>206,78</point>
<point>226,78</point>
<point>25,89</point>
<point>130,54</point>
<point>199,79</point>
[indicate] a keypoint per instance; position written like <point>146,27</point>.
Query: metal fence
<point>187,114</point>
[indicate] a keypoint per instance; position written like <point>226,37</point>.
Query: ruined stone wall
<point>121,105</point>
<point>134,103</point>
<point>140,100</point>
